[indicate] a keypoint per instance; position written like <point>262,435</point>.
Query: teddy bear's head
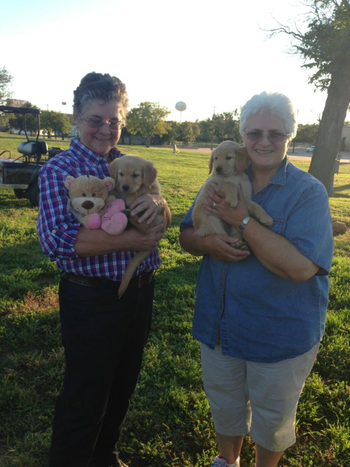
<point>88,194</point>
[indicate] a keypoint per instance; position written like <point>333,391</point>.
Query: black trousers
<point>103,338</point>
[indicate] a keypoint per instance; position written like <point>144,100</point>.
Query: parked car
<point>21,173</point>
<point>310,149</point>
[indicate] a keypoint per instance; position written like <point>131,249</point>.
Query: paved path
<point>297,154</point>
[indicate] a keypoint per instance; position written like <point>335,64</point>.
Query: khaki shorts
<point>260,398</point>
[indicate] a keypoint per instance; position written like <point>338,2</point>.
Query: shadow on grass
<point>338,191</point>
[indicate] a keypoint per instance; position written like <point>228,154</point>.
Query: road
<point>301,154</point>
<point>298,153</point>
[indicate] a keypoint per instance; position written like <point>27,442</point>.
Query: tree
<point>5,80</point>
<point>28,122</point>
<point>325,48</point>
<point>307,133</point>
<point>5,94</point>
<point>55,122</point>
<point>173,134</point>
<point>62,124</point>
<point>149,120</point>
<point>187,132</point>
<point>206,128</point>
<point>226,126</point>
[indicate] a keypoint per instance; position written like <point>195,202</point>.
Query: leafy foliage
<point>187,132</point>
<point>55,122</point>
<point>27,122</point>
<point>226,126</point>
<point>149,120</point>
<point>327,42</point>
<point>325,48</point>
<point>5,80</point>
<point>307,133</point>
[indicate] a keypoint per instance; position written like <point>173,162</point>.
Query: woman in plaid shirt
<point>103,336</point>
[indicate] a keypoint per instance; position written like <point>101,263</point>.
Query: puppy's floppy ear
<point>149,173</point>
<point>113,169</point>
<point>211,162</point>
<point>242,160</point>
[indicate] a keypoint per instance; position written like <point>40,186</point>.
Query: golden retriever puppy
<point>229,160</point>
<point>136,176</point>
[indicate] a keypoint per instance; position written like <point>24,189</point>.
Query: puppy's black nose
<point>126,187</point>
<point>87,205</point>
<point>219,169</point>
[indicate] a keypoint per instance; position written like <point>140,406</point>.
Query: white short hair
<point>271,103</point>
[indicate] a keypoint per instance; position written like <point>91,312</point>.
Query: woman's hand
<point>147,205</point>
<point>217,205</point>
<point>137,241</point>
<point>221,247</point>
<point>224,248</point>
<point>99,242</point>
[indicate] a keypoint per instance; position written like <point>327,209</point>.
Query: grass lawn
<point>169,423</point>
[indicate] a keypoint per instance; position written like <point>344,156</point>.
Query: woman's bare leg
<point>229,446</point>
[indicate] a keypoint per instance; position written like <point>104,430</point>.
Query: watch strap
<point>244,222</point>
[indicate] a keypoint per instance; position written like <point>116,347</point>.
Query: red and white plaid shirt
<point>57,227</point>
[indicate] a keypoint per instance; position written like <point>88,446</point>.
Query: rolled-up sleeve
<point>309,227</point>
<point>57,228</point>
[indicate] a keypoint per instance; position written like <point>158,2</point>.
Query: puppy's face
<point>131,172</point>
<point>229,158</point>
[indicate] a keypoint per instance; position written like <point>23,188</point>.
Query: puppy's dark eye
<point>121,174</point>
<point>94,195</point>
<point>228,158</point>
<point>84,195</point>
<point>216,158</point>
<point>135,175</point>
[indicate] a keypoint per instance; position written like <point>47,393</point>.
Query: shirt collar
<point>93,157</point>
<point>279,179</point>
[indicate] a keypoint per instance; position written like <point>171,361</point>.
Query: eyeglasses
<point>272,137</point>
<point>96,122</point>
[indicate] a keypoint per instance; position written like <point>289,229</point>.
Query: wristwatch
<point>244,223</point>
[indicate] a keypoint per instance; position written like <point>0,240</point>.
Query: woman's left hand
<point>217,205</point>
<point>146,205</point>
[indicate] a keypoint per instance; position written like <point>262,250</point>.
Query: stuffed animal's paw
<point>116,205</point>
<point>94,221</point>
<point>114,220</point>
<point>115,223</point>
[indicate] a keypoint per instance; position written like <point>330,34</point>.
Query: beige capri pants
<point>256,398</point>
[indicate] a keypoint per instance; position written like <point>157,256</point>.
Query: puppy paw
<point>267,220</point>
<point>241,245</point>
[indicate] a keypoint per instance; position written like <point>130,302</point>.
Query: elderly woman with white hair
<point>260,314</point>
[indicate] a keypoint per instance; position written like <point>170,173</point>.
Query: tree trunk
<point>331,126</point>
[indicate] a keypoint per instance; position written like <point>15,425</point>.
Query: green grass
<point>169,423</point>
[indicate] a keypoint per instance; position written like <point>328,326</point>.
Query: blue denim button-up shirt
<point>258,315</point>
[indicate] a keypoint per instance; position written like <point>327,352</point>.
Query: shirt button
<point>54,231</point>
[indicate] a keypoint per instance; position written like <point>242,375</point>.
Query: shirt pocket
<point>278,226</point>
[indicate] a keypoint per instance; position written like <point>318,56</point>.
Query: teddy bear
<point>91,204</point>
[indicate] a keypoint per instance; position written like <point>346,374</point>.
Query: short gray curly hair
<point>272,103</point>
<point>100,87</point>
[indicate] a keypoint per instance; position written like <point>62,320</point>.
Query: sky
<point>212,55</point>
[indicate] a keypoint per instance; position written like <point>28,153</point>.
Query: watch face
<point>244,222</point>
